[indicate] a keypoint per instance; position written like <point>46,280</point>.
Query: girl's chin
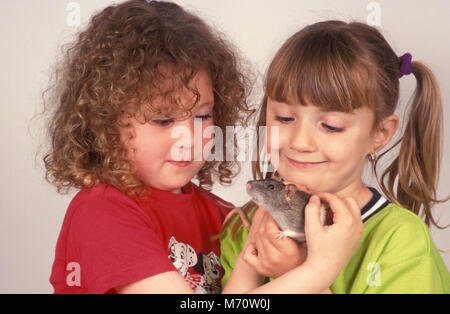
<point>301,187</point>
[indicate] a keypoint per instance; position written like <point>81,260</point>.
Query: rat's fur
<point>285,204</point>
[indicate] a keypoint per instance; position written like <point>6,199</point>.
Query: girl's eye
<point>284,119</point>
<point>204,117</point>
<point>330,128</point>
<point>163,122</point>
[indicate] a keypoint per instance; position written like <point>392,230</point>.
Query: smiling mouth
<point>305,164</point>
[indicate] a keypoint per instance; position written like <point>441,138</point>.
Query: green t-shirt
<point>396,255</point>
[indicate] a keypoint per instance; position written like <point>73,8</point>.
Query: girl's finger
<point>262,243</point>
<point>280,246</point>
<point>354,207</point>
<point>271,230</point>
<point>337,205</point>
<point>312,215</point>
<point>252,258</point>
<point>251,255</point>
<point>259,214</point>
<point>256,223</point>
<point>267,244</point>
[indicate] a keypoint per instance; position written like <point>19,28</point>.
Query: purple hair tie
<point>405,64</point>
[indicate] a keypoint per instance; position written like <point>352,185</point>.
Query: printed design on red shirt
<point>201,271</point>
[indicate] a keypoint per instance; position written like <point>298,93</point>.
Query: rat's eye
<point>271,187</point>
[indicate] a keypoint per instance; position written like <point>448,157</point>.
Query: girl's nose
<point>188,131</point>
<point>302,139</point>
<point>182,136</point>
<point>190,142</point>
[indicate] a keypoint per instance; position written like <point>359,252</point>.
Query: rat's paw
<point>280,235</point>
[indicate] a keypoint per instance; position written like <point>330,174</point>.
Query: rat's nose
<point>249,186</point>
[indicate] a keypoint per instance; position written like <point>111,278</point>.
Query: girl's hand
<point>243,277</point>
<point>331,247</point>
<point>267,255</point>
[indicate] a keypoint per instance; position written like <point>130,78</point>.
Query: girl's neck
<point>359,192</point>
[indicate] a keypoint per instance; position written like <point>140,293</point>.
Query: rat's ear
<point>289,190</point>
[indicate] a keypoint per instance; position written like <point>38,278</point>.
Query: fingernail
<point>314,198</point>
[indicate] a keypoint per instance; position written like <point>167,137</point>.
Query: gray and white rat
<point>286,204</point>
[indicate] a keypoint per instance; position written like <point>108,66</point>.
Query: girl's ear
<point>385,131</point>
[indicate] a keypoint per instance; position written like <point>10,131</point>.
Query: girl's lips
<point>303,164</point>
<point>181,164</point>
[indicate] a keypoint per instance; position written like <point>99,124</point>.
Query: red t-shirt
<point>109,239</point>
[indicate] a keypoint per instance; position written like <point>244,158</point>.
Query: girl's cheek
<point>207,139</point>
<point>277,138</point>
<point>151,144</point>
<point>343,152</point>
<point>128,142</point>
<point>206,132</point>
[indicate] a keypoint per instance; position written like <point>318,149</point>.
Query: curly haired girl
<point>140,71</point>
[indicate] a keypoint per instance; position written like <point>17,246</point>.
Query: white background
<point>32,31</point>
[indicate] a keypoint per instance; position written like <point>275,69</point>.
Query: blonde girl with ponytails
<point>332,90</point>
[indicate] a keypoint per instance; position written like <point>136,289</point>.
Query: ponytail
<point>417,165</point>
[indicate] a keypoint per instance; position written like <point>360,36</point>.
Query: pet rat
<point>286,204</point>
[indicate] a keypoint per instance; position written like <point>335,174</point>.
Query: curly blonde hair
<point>113,70</point>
